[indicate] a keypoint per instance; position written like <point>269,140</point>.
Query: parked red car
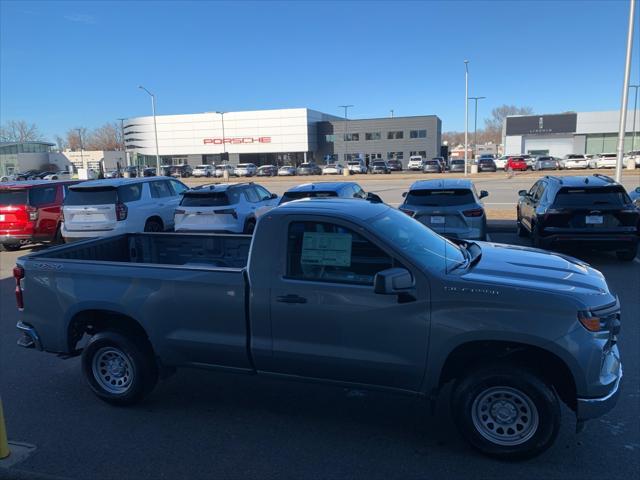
<point>516,163</point>
<point>31,212</point>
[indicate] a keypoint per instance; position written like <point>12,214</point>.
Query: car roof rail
<point>554,177</point>
<point>209,185</point>
<point>604,177</point>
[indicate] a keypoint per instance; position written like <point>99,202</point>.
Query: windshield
<point>288,196</point>
<point>440,198</point>
<point>591,197</point>
<point>418,242</point>
<point>13,197</point>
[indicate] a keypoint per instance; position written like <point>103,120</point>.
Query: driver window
<point>326,252</point>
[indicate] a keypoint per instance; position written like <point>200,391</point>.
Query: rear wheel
<point>506,412</point>
<point>249,226</point>
<point>120,370</point>
<point>627,255</point>
<point>535,236</point>
<point>153,226</point>
<point>11,247</point>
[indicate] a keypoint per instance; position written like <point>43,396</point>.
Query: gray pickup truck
<point>343,291</point>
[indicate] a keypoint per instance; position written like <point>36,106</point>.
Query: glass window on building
<point>373,136</point>
<point>396,135</point>
<point>330,138</point>
<point>608,143</point>
<point>348,157</point>
<point>351,137</point>
<point>422,153</point>
<point>395,155</point>
<point>418,134</point>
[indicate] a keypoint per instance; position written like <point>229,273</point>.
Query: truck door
<point>326,320</point>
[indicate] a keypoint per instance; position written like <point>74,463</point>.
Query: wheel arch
<point>536,359</point>
<point>155,218</point>
<point>95,320</point>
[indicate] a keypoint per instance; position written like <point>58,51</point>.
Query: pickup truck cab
<point>340,291</point>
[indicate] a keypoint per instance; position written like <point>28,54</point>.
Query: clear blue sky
<point>69,64</point>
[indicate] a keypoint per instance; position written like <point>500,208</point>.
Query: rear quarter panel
<point>193,316</point>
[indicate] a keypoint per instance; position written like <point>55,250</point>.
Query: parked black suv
<point>588,211</point>
<point>181,171</point>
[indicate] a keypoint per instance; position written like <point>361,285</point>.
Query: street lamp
<point>635,112</point>
<point>224,145</point>
<point>475,122</point>
<point>81,148</point>
<point>155,126</point>
<point>124,147</point>
<point>392,113</point>
<point>625,90</point>
<point>346,129</point>
<point>466,115</point>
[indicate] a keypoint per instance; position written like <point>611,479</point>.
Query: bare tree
<point>453,139</point>
<point>493,125</point>
<point>61,142</point>
<point>77,138</point>
<point>19,131</point>
<point>107,137</point>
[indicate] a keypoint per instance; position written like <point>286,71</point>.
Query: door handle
<point>291,299</point>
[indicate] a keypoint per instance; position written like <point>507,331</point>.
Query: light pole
<point>81,148</point>
<point>466,115</point>
<point>346,129</point>
<point>392,113</point>
<point>625,90</point>
<point>155,126</point>
<point>124,147</point>
<point>475,121</point>
<point>224,145</point>
<point>635,112</point>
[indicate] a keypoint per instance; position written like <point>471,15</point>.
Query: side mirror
<point>273,196</point>
<point>404,194</point>
<point>637,189</point>
<point>484,193</point>
<point>393,281</point>
<point>522,193</point>
<point>372,197</point>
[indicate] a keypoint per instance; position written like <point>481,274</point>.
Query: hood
<point>531,268</point>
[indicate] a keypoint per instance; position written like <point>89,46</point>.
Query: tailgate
<point>90,217</point>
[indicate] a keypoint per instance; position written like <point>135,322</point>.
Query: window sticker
<point>326,249</point>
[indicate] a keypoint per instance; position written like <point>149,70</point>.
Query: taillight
<point>228,211</point>
<point>476,212</point>
<point>18,275</point>
<point>411,213</point>
<point>33,213</point>
<point>121,211</point>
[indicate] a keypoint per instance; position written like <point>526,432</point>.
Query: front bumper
<point>605,241</point>
<point>29,337</point>
<point>588,408</point>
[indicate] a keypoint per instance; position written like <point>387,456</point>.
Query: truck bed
<point>201,250</point>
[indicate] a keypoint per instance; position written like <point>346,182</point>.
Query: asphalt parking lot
<point>200,424</point>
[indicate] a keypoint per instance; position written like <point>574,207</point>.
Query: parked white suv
<point>246,170</point>
<point>574,161</point>
<point>203,171</point>
<point>357,166</point>
<point>230,207</point>
<point>604,160</point>
<point>415,162</point>
<point>98,208</point>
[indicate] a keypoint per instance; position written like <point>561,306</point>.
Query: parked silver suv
<point>449,207</point>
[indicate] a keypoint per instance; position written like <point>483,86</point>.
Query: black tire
<point>11,247</point>
<point>153,226</point>
<point>58,239</point>
<point>523,396</point>
<point>627,255</point>
<point>536,240</point>
<point>249,226</point>
<point>132,382</point>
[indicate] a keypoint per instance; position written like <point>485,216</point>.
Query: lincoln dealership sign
<point>542,124</point>
<point>236,140</point>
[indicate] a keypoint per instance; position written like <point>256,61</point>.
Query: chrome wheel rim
<point>112,370</point>
<point>505,416</point>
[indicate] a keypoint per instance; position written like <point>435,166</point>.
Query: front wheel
<point>120,370</point>
<point>249,227</point>
<point>506,412</point>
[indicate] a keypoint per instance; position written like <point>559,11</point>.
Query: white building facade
<point>283,136</point>
<point>567,133</point>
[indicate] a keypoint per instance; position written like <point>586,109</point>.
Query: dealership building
<point>278,137</point>
<point>565,133</point>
